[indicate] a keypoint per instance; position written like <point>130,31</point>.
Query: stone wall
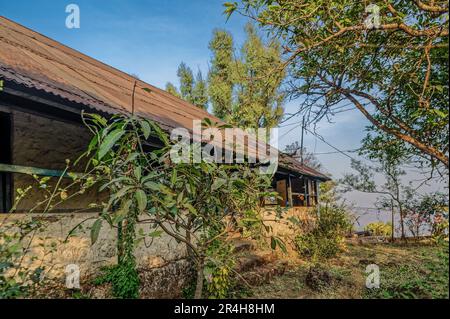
<point>47,143</point>
<point>162,263</point>
<point>287,230</point>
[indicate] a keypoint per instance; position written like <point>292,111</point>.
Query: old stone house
<point>43,90</point>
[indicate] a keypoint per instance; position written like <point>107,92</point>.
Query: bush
<point>379,229</point>
<point>326,239</point>
<point>124,279</point>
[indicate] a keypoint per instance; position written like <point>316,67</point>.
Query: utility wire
<point>288,132</point>
<point>337,150</point>
<point>329,144</point>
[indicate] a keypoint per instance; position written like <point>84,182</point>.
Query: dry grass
<point>412,270</point>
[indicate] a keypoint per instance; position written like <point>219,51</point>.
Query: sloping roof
<point>35,61</point>
<point>291,163</point>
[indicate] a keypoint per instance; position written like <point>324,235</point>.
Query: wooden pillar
<point>318,194</point>
<point>289,188</point>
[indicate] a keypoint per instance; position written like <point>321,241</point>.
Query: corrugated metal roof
<point>33,60</point>
<point>291,163</point>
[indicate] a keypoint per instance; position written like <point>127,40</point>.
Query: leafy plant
<point>17,235</point>
<point>326,238</point>
<point>124,279</point>
<point>379,229</point>
<point>198,204</point>
<point>123,169</point>
<point>218,269</point>
<point>201,204</point>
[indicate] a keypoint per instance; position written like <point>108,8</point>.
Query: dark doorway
<point>5,158</point>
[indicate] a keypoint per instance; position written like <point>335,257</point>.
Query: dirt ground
<point>407,270</point>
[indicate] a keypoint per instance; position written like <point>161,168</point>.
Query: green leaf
<point>191,208</point>
<point>173,178</point>
<point>229,8</point>
<point>141,199</point>
<point>218,183</point>
<point>273,243</point>
<point>161,135</point>
<point>109,141</point>
<point>180,197</point>
<point>281,244</point>
<point>138,173</point>
<point>95,230</point>
<point>440,113</point>
<point>153,186</point>
<point>124,191</point>
<point>98,119</point>
<point>146,129</point>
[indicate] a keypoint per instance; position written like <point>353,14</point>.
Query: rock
<point>165,282</point>
<point>249,261</point>
<point>317,278</point>
<point>243,245</point>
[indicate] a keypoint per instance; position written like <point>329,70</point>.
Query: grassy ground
<point>413,270</point>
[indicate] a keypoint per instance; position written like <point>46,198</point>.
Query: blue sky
<point>150,38</point>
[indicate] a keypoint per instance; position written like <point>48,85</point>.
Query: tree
<point>198,204</point>
<point>393,194</point>
<point>259,100</point>
<point>430,211</point>
<point>388,60</point>
<point>240,86</point>
<point>193,90</point>
<point>220,77</point>
<point>201,206</point>
<point>172,89</point>
<point>200,92</point>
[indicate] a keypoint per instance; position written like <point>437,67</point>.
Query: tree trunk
<point>392,222</point>
<point>402,225</point>
<point>199,284</point>
<point>119,243</point>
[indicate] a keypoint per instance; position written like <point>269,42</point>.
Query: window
<point>5,158</point>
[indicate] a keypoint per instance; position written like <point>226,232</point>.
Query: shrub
<point>326,239</point>
<point>218,270</point>
<point>379,229</point>
<point>124,279</point>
